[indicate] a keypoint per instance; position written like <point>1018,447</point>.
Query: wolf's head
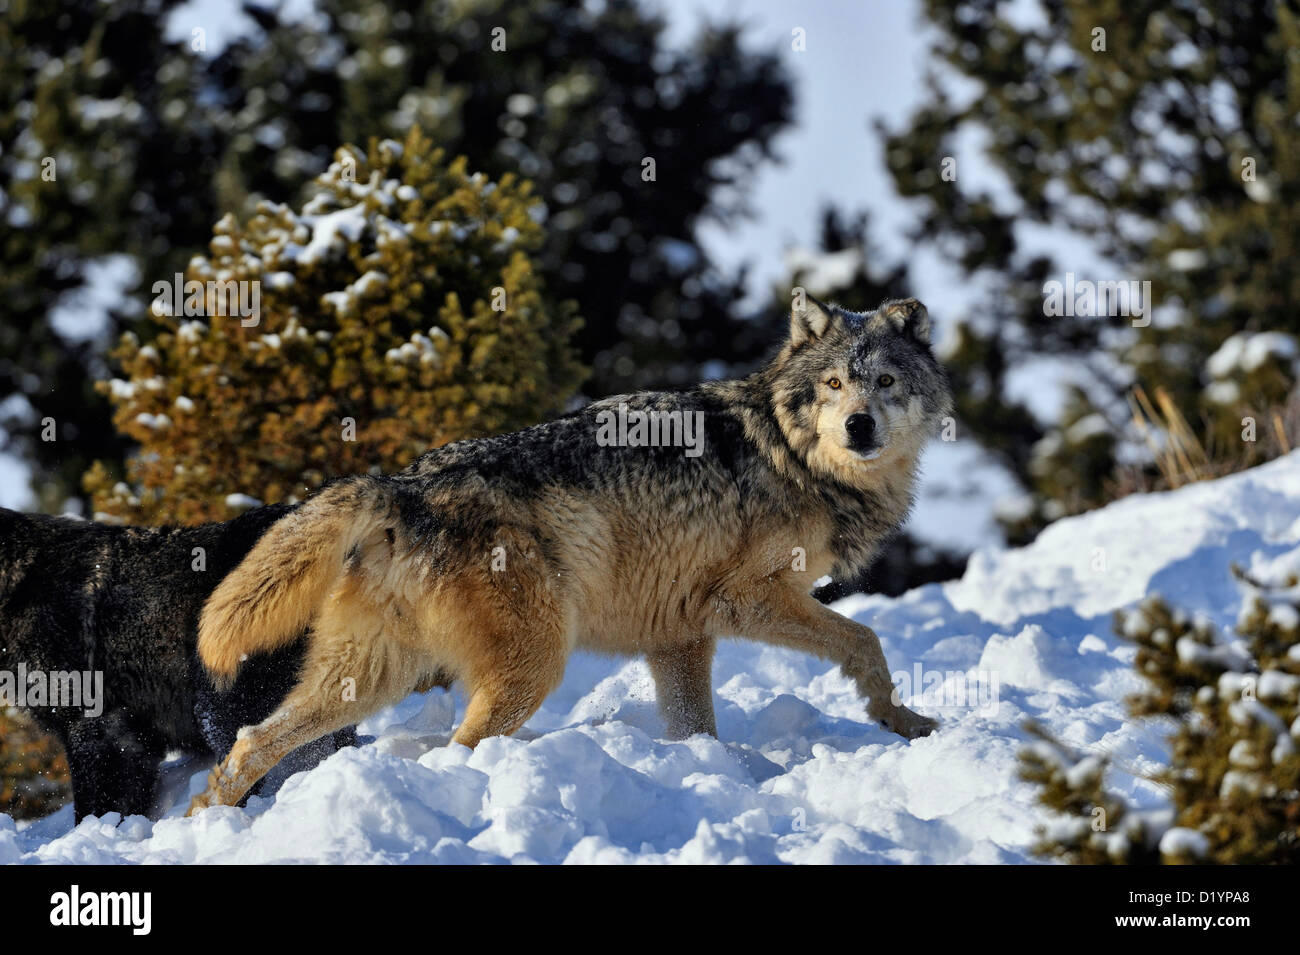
<point>856,392</point>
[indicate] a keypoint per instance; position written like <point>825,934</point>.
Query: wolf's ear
<point>809,319</point>
<point>908,316</point>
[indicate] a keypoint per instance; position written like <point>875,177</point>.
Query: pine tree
<point>156,140</point>
<point>1162,134</point>
<point>100,155</point>
<point>1234,773</point>
<point>399,310</point>
<point>630,143</point>
<point>34,777</point>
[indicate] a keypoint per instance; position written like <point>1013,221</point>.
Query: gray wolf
<point>122,603</point>
<point>488,561</point>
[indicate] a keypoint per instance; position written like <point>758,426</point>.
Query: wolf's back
<point>45,557</point>
<point>267,601</point>
<point>23,580</point>
<point>16,544</point>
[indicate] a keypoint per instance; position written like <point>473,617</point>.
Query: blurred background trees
<point>628,144</point>
<point>576,97</point>
<point>95,171</point>
<point>1161,135</point>
<point>34,778</point>
<point>397,310</point>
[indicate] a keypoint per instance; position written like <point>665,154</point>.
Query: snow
<point>82,314</point>
<point>1186,260</point>
<point>155,422</point>
<point>961,491</point>
<point>1184,842</point>
<point>330,233</point>
<point>822,272</point>
<point>1086,428</point>
<point>1284,616</point>
<point>1223,392</point>
<point>188,332</point>
<point>15,483</point>
<point>799,774</point>
<point>1249,351</point>
<point>420,348</point>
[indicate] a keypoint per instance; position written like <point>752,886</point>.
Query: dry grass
<point>1181,457</point>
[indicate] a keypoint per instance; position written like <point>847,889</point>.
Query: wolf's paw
<point>906,723</point>
<point>200,802</point>
<point>211,795</point>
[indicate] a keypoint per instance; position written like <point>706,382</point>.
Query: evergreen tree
<point>1234,770</point>
<point>34,778</point>
<point>1164,135</point>
<point>100,154</point>
<point>630,144</point>
<point>397,311</point>
<point>155,141</point>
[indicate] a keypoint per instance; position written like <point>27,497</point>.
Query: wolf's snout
<point>861,429</point>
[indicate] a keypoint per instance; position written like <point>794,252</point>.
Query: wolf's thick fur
<point>81,596</point>
<point>488,561</point>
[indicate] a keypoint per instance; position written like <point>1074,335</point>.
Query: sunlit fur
<point>489,561</point>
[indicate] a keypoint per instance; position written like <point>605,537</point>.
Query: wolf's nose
<point>862,431</point>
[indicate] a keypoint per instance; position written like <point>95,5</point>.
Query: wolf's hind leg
<point>304,716</point>
<point>786,617</point>
<point>502,701</point>
<point>348,673</point>
<point>498,711</point>
<point>684,687</point>
<point>509,685</point>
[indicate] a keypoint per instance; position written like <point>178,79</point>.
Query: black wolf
<point>85,598</point>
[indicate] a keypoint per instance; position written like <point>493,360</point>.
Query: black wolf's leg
<point>114,767</point>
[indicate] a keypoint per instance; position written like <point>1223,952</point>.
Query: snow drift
<point>799,775</point>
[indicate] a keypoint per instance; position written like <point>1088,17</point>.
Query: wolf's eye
<point>885,381</point>
<point>834,383</point>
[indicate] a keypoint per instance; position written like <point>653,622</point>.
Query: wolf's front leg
<point>786,617</point>
<point>114,765</point>
<point>684,687</point>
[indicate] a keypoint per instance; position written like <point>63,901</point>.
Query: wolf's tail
<point>278,588</point>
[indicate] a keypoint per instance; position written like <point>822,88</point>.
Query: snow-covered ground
<point>799,775</point>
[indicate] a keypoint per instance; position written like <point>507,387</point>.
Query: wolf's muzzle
<point>861,430</point>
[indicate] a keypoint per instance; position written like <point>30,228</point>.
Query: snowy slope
<point>801,777</point>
